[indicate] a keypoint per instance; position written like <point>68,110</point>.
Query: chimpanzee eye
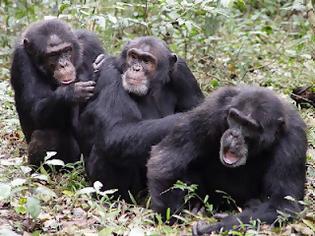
<point>68,54</point>
<point>146,60</point>
<point>133,56</point>
<point>53,57</point>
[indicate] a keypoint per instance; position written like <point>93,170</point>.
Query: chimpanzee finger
<point>88,89</point>
<point>98,62</point>
<point>96,67</point>
<point>99,58</point>
<point>88,96</point>
<point>89,83</point>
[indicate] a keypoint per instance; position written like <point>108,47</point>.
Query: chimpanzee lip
<point>230,158</point>
<point>134,81</point>
<point>67,81</point>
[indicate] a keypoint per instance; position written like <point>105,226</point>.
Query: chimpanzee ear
<point>27,45</point>
<point>26,42</point>
<point>173,59</point>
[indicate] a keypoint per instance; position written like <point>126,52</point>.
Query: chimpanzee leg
<point>52,140</point>
<point>126,178</point>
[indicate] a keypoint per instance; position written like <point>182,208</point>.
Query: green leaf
<point>68,193</point>
<point>36,233</point>
<point>168,214</point>
<point>22,201</point>
<point>33,207</point>
<point>214,83</point>
<point>63,6</point>
<point>309,223</point>
<point>133,200</point>
<point>106,232</point>
<point>21,209</point>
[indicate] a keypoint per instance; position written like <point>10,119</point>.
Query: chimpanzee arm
<point>34,97</point>
<point>168,163</point>
<point>133,141</point>
<point>266,212</point>
<point>186,87</point>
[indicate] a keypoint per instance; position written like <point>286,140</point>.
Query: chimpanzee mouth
<point>230,158</point>
<point>134,81</point>
<point>66,82</point>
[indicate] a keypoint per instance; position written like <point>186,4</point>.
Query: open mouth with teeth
<point>230,157</point>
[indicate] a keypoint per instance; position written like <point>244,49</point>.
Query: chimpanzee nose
<point>136,67</point>
<point>63,63</point>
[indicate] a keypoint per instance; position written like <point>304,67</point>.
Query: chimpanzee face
<point>235,140</point>
<point>252,129</point>
<point>141,68</point>
<point>59,60</point>
<point>56,59</point>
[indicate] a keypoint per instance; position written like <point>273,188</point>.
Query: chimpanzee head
<point>54,49</point>
<point>145,61</point>
<point>255,120</point>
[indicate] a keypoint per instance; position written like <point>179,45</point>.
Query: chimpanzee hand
<point>83,91</point>
<point>201,228</point>
<point>98,62</point>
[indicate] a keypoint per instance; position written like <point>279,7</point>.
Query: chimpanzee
<point>242,141</point>
<point>137,92</point>
<point>52,74</point>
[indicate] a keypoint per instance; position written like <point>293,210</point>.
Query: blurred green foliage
<point>186,25</point>
<point>220,38</point>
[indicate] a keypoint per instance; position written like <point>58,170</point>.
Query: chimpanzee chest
<point>237,184</point>
<point>154,107</point>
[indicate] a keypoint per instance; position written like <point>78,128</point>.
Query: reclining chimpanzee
<point>243,141</point>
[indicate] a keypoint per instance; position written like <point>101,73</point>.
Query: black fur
<point>46,110</point>
<point>119,128</point>
<point>275,166</point>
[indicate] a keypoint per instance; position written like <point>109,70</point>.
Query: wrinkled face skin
<point>235,140</point>
<point>141,68</point>
<point>57,60</point>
